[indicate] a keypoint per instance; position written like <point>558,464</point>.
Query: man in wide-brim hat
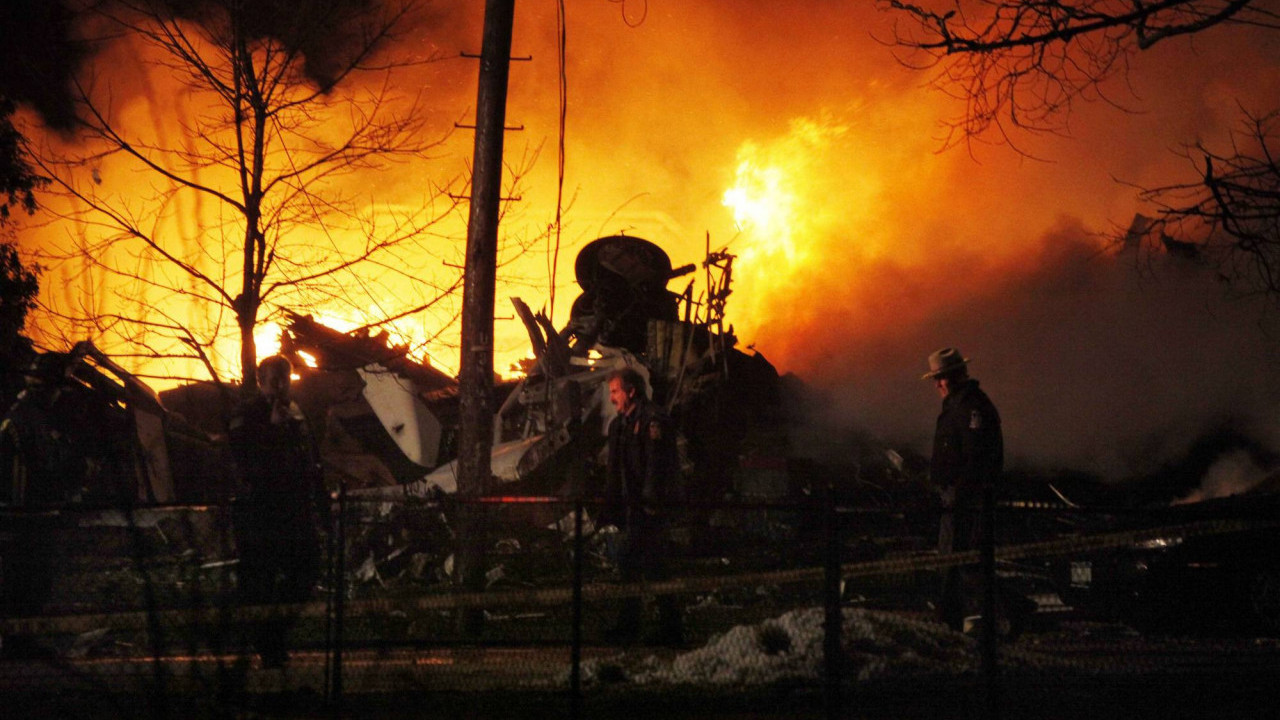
<point>968,456</point>
<point>945,363</point>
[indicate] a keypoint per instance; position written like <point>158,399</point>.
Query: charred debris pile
<point>390,426</point>
<point>87,432</point>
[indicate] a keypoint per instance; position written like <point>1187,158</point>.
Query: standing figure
<point>276,518</point>
<point>643,469</point>
<point>968,456</point>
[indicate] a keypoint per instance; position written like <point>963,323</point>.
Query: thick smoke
<point>1099,360</point>
<point>48,43</point>
<point>39,56</point>
<point>1096,359</point>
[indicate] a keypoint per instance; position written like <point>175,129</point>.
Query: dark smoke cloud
<point>47,43</point>
<point>38,57</point>
<point>329,34</point>
<point>1099,360</point>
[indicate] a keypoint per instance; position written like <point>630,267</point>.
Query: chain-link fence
<point>451,607</point>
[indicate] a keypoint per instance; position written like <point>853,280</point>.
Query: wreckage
<point>551,425</point>
<point>388,417</point>
<point>88,433</point>
<point>388,424</point>
<point>84,431</point>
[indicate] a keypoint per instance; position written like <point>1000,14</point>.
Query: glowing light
<point>519,369</point>
<point>793,197</point>
<point>266,339</point>
<point>267,334</point>
<point>761,200</point>
<point>778,192</point>
<point>762,207</point>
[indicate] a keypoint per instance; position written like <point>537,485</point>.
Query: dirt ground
<point>1110,674</point>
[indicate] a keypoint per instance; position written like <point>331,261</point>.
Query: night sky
<point>796,139</point>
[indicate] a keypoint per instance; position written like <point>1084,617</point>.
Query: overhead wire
<point>644,13</point>
<point>561,33</point>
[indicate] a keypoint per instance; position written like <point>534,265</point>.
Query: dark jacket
<point>643,461</point>
<point>279,462</point>
<point>968,446</point>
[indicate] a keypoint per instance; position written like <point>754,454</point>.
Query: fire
<point>773,198</point>
<point>267,337</point>
<point>817,168</point>
<point>787,225</point>
<point>791,139</point>
<point>764,206</point>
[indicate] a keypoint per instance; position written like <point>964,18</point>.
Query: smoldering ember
<point>449,229</point>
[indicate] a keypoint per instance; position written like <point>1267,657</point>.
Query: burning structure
<point>86,431</point>
<point>551,425</point>
<point>389,424</point>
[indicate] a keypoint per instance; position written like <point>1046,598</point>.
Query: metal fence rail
<point>814,597</point>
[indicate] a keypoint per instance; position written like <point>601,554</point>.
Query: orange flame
<point>791,137</point>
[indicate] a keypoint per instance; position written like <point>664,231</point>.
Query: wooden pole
<point>475,435</point>
<point>475,376</point>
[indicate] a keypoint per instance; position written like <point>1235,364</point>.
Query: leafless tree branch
<point>258,166</point>
<point>1022,64</point>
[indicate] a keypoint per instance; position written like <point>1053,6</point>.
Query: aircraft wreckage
<point>87,434</point>
<point>388,424</point>
<point>551,426</point>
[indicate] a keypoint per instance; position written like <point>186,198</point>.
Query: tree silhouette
<point>1229,216</point>
<point>18,181</point>
<point>19,285</point>
<point>253,205</point>
<point>1020,65</point>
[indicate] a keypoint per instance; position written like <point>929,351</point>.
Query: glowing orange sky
<point>793,137</point>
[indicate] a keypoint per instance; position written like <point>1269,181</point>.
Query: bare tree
<point>1021,64</point>
<point>1229,216</point>
<point>286,101</point>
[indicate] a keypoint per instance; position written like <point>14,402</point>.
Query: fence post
<point>339,597</point>
<point>990,620</point>
<point>575,671</point>
<point>832,620</point>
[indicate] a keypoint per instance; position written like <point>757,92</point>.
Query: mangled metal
<point>387,424</point>
<point>85,431</point>
<point>382,416</point>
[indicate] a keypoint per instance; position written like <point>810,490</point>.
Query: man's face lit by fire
<point>274,383</point>
<point>943,384</point>
<point>949,382</point>
<point>622,397</point>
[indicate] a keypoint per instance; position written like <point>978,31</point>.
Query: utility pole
<point>475,376</point>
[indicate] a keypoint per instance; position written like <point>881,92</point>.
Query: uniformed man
<point>276,528</point>
<point>643,473</point>
<point>968,456</point>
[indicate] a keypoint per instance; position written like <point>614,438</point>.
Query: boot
<point>627,630</point>
<point>670,631</point>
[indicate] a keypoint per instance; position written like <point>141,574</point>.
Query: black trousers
<point>960,530</point>
<point>643,556</point>
<point>279,552</point>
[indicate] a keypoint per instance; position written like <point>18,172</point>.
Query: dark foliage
<point>18,288</point>
<point>18,182</point>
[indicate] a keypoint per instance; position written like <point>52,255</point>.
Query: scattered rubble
<point>789,648</point>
